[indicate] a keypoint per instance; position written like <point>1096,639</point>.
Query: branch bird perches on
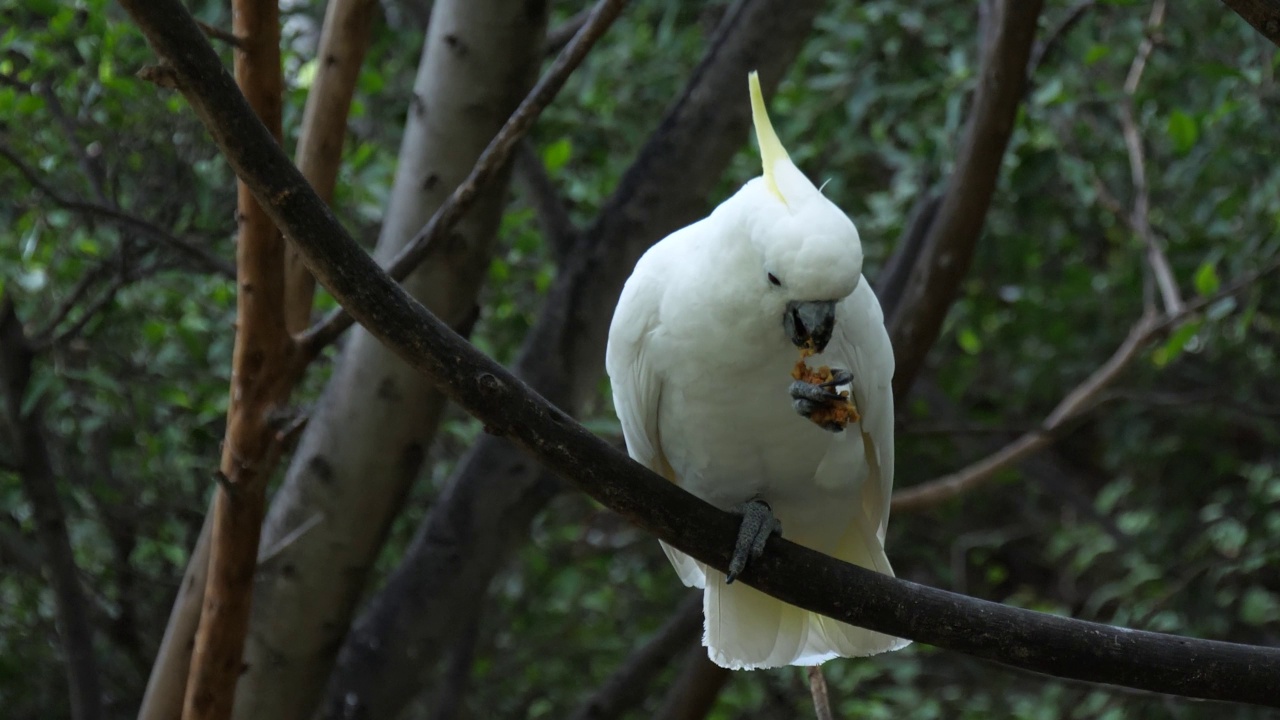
<point>1024,638</point>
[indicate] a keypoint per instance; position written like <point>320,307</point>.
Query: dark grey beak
<point>810,320</point>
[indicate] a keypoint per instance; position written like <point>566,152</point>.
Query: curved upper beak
<point>810,321</point>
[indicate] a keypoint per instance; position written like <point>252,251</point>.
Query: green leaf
<point>1096,52</point>
<point>969,341</point>
<point>1176,343</point>
<point>1206,280</point>
<point>556,155</point>
<point>1183,131</point>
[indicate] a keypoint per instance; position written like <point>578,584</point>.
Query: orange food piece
<point>842,411</point>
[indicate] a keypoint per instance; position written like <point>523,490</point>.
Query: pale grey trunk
<point>366,441</point>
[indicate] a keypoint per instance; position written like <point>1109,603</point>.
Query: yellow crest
<point>771,150</point>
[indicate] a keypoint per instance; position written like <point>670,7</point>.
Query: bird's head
<point>809,251</point>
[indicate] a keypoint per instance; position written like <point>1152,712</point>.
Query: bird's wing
<point>861,343</point>
<point>637,389</point>
<point>637,384</point>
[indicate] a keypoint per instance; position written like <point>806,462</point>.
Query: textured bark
<point>260,384</point>
<point>366,441</point>
<point>1263,15</point>
<point>40,485</point>
<point>796,575</point>
<point>343,42</point>
<point>953,234</point>
<point>487,506</point>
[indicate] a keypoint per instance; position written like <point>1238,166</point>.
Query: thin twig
<point>218,33</point>
<point>89,165</point>
<point>1084,397</point>
<point>120,218</point>
<point>818,690</point>
<point>553,216</point>
<point>1045,48</point>
<point>493,158</point>
<point>91,311</point>
<point>1141,212</point>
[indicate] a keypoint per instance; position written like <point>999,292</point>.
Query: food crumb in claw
<point>840,412</point>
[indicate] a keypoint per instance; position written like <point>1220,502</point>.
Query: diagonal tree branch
<point>626,687</point>
<point>935,279</point>
<point>491,162</point>
<point>488,503</point>
<point>203,258</point>
<point>1024,638</point>
<point>698,683</point>
<point>541,193</point>
<point>1263,15</point>
<point>1083,398</point>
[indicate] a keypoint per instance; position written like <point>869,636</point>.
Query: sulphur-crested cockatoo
<point>700,352</point>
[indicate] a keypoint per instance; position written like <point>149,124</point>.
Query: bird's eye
<point>774,279</point>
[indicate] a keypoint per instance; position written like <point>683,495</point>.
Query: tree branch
<point>792,573</point>
<point>541,194</point>
<point>1046,48</point>
<point>1140,216</point>
<point>1263,15</point>
<point>698,684</point>
<point>1083,398</point>
<point>491,161</point>
<point>626,687</point>
<point>935,280</point>
<point>202,257</point>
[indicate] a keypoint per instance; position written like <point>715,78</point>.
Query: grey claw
<point>758,523</point>
<point>838,377</point>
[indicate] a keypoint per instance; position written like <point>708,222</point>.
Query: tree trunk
<point>35,468</point>
<point>366,441</point>
<point>260,384</point>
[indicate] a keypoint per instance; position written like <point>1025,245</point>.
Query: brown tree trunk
<point>259,384</point>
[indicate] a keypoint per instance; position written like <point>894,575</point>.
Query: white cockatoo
<point>700,353</point>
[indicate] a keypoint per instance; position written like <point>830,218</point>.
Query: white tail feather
<point>748,630</point>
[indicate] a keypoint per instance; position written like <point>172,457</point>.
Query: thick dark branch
<point>1263,15</point>
<point>626,687</point>
<point>935,280</point>
<point>795,574</point>
<point>491,161</point>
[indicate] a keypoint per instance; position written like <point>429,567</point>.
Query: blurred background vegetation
<point>1160,509</point>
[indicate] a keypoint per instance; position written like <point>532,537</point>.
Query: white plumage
<point>700,366</point>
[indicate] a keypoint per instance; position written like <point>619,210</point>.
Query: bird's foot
<point>821,403</point>
<point>758,523</point>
